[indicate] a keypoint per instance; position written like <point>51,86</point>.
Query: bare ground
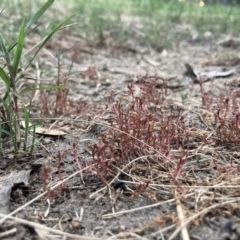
<point>141,198</point>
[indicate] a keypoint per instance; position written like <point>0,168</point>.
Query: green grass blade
<point>33,140</point>
<point>15,137</point>
<point>4,51</point>
<point>5,78</point>
<point>14,43</point>
<point>7,82</point>
<point>39,13</point>
<point>50,35</point>
<point>1,138</point>
<point>20,44</point>
<point>7,108</point>
<point>10,121</point>
<point>26,122</point>
<point>6,132</point>
<point>33,19</point>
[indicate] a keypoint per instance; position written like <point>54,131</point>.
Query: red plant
<point>227,119</point>
<point>142,123</point>
<point>46,175</point>
<point>76,159</point>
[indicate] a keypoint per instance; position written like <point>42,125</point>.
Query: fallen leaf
<point>50,132</point>
<point>151,61</point>
<point>45,131</point>
<point>197,76</point>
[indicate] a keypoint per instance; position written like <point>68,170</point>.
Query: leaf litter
<point>148,153</point>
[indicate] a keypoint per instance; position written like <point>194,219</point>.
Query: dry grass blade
<point>126,235</point>
<point>202,212</point>
<point>140,208</point>
<point>50,230</point>
<point>7,233</point>
<point>182,219</point>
